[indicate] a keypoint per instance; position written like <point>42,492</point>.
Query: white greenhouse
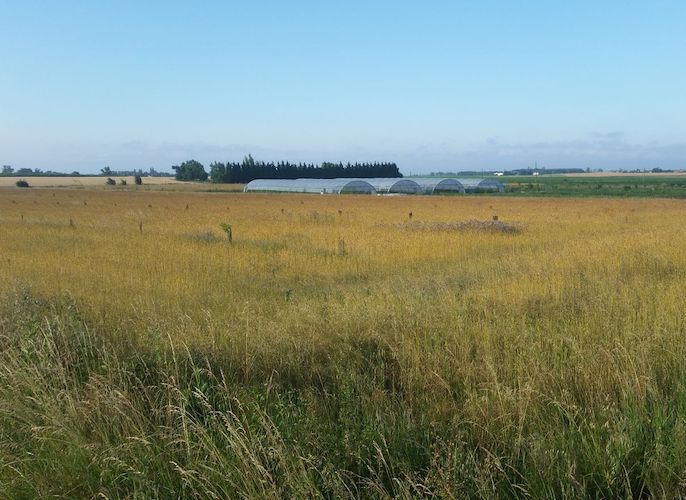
<point>321,186</point>
<point>482,185</point>
<point>394,185</point>
<point>381,185</point>
<point>438,185</point>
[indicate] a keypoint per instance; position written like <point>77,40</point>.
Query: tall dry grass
<point>142,354</point>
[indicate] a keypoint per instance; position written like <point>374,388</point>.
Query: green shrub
<point>227,229</point>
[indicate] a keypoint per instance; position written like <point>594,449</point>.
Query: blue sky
<point>430,85</point>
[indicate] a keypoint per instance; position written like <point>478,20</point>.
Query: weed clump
<point>228,231</point>
<point>491,226</point>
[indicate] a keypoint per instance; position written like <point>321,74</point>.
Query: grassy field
<point>598,185</point>
<point>82,181</point>
<point>577,185</point>
<point>340,347</point>
<point>98,182</point>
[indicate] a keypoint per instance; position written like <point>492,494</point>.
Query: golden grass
<point>286,276</point>
<point>81,181</point>
<point>578,313</point>
<point>90,245</point>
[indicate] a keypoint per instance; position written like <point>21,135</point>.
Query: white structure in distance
<point>379,185</point>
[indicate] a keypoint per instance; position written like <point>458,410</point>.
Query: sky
<point>433,85</point>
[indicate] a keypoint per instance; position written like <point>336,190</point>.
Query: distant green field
<point>633,186</point>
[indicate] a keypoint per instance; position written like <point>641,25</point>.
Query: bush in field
<point>138,180</point>
<point>122,182</point>
<point>21,183</point>
<point>110,181</point>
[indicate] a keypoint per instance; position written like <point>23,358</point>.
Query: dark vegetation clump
<point>110,181</point>
<point>228,231</point>
<point>250,169</point>
<point>493,226</point>
<point>21,183</point>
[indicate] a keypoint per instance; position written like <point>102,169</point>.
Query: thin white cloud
<point>606,150</point>
<point>609,151</point>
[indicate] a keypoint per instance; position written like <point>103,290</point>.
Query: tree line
<point>107,171</point>
<point>249,169</point>
<point>9,171</point>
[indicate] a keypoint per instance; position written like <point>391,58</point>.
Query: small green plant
<point>227,229</point>
<point>138,180</point>
<point>110,181</point>
<point>21,183</point>
<point>122,182</point>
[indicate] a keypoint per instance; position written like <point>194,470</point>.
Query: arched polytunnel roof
<point>278,185</point>
<point>476,185</point>
<point>323,186</point>
<point>432,185</point>
<point>394,185</point>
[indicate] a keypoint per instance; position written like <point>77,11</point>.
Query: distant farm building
<point>482,185</point>
<point>437,185</point>
<point>321,186</point>
<point>395,185</point>
<point>381,185</point>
